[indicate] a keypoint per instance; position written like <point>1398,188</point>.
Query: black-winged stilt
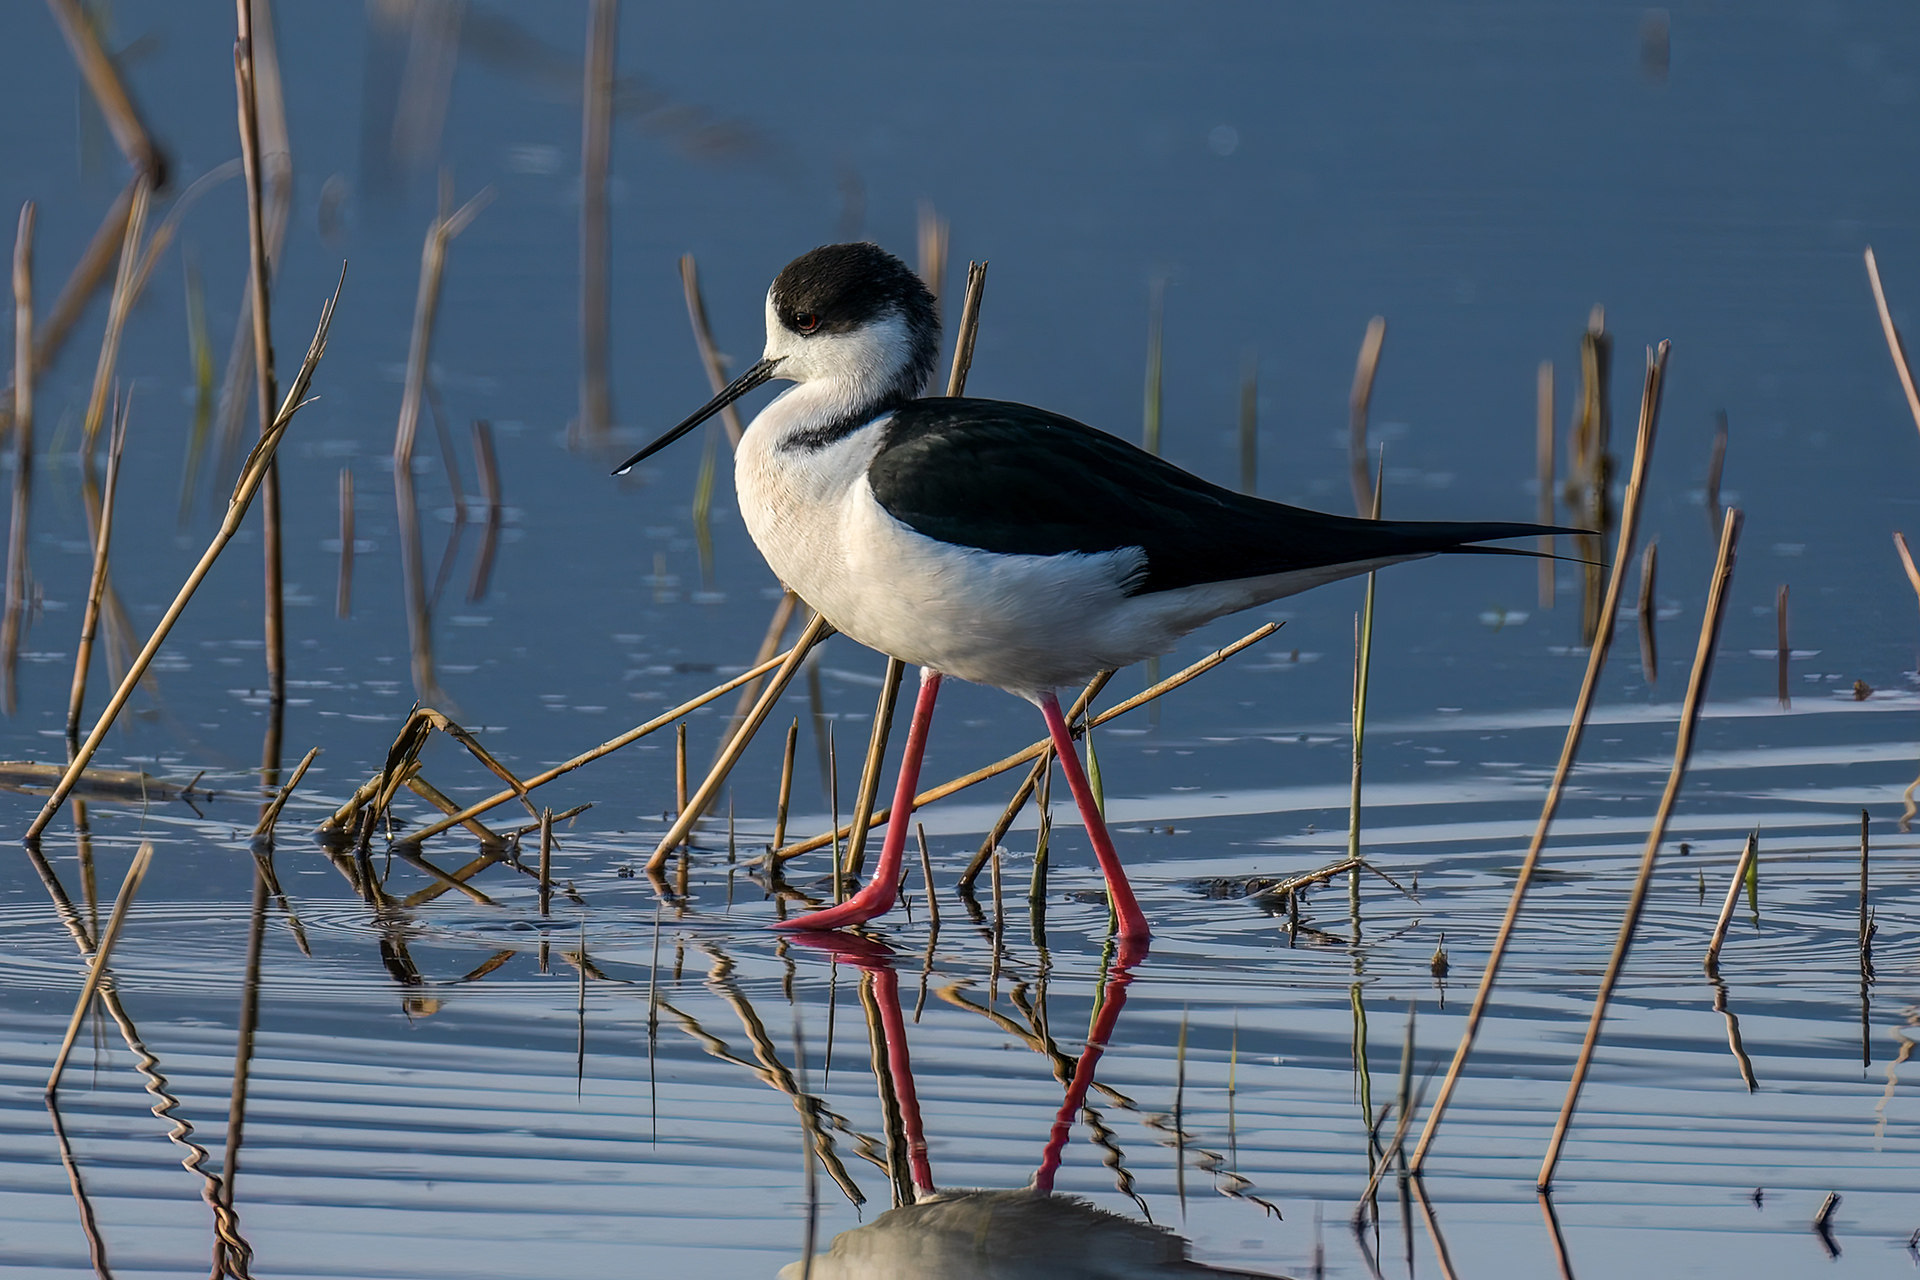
<point>996,542</point>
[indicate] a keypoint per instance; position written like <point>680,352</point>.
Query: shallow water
<point>436,1092</point>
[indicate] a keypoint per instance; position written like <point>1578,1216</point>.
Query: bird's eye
<point>806,321</point>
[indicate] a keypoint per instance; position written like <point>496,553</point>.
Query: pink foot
<point>876,899</point>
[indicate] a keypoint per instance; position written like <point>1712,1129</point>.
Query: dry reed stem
<point>79,288</point>
<point>596,157</point>
<point>97,969</point>
<point>819,629</point>
<point>785,794</point>
<point>1033,752</point>
<point>265,379</point>
<point>1906,561</point>
<point>1683,748</point>
<point>250,478</point>
<point>926,874</point>
<point>1583,705</point>
<point>1747,855</point>
<point>968,330</point>
<point>22,454</point>
<point>433,257</point>
<point>1543,463</point>
<point>546,861</point>
<point>487,837</point>
<point>103,81</point>
<point>1156,345</point>
<point>1895,346</point>
<point>606,748</point>
<point>119,306</point>
<point>1357,406</point>
<point>776,628</point>
<point>883,709</point>
<point>263,829</point>
<point>710,358</point>
<point>426,307</point>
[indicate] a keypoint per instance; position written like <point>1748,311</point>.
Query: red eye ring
<point>806,321</point>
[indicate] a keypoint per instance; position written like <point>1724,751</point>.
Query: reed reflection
<point>939,1233</point>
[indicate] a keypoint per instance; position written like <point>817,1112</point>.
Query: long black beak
<point>746,382</point>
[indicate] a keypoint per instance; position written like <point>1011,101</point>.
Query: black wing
<point>1021,481</point>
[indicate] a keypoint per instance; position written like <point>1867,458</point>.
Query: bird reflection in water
<point>1026,1234</point>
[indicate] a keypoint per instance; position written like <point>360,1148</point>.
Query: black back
<point>1021,481</point>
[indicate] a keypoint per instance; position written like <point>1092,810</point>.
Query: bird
<point>996,542</point>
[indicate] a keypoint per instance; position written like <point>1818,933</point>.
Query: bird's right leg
<point>876,899</point>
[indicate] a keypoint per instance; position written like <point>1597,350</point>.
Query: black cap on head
<point>838,288</point>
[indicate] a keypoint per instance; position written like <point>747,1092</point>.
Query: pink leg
<point>1133,923</point>
<point>876,899</point>
<point>886,990</point>
<point>1115,1000</point>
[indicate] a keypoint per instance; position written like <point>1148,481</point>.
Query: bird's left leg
<point>876,899</point>
<point>1132,921</point>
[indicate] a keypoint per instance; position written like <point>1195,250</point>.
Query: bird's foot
<point>873,901</point>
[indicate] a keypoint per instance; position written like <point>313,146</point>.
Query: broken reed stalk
<point>266,391</point>
<point>1034,752</point>
<point>1583,705</point>
<point>819,629</point>
<point>343,592</point>
<point>263,829</point>
<point>870,772</point>
<point>1747,855</point>
<point>1357,406</point>
<point>596,157</point>
<point>1543,461</point>
<point>250,479</point>
<point>546,861</point>
<point>1906,561</point>
<point>710,358</point>
<point>98,968</point>
<point>103,81</point>
<point>22,454</point>
<point>785,795</point>
<point>433,258</point>
<point>1636,901</point>
<point>604,749</point>
<point>926,874</point>
<point>1648,612</point>
<point>97,586</point>
<point>968,330</point>
<point>1895,346</point>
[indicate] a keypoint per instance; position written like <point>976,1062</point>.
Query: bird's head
<point>851,315</point>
